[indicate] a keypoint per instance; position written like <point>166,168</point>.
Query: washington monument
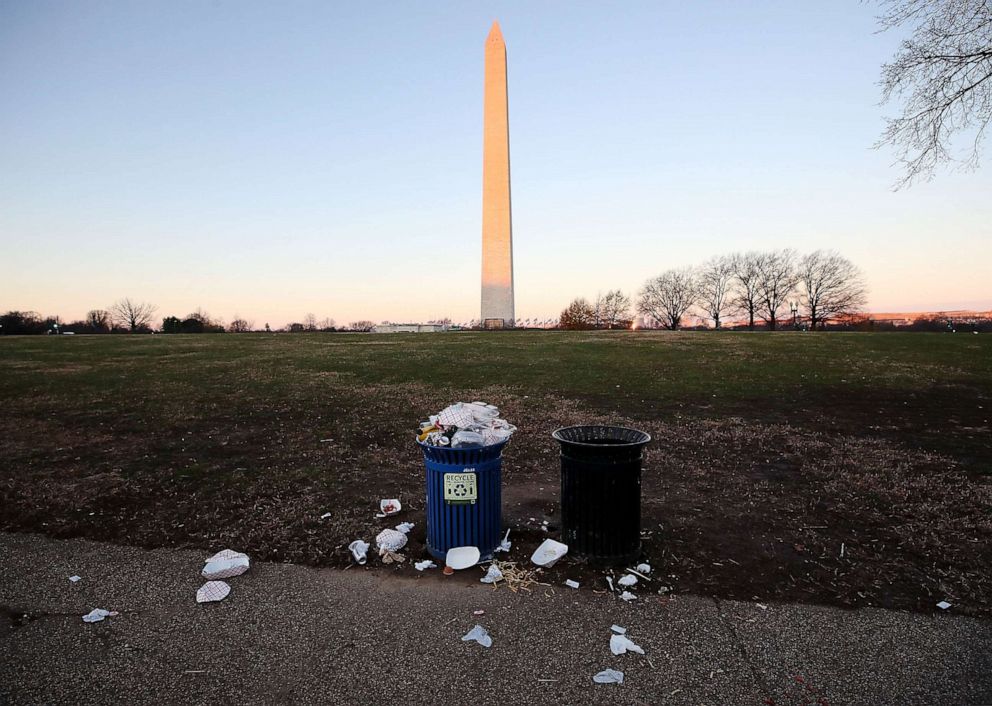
<point>497,231</point>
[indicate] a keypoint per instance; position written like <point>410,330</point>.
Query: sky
<point>270,160</point>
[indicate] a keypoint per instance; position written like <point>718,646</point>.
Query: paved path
<point>295,634</point>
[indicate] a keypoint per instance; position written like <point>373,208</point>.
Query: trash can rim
<point>498,444</point>
<point>557,435</point>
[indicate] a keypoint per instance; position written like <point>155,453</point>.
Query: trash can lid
<point>600,436</point>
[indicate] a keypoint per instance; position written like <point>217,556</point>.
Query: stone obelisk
<point>497,232</point>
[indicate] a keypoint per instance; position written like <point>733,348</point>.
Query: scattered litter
<point>549,553</point>
<point>762,606</point>
<point>628,596</point>
<point>504,546</point>
<point>388,556</point>
<point>426,564</point>
<point>74,579</point>
<point>841,550</point>
<point>479,634</point>
<point>618,630</point>
<point>466,425</point>
<point>98,614</point>
<point>638,573</point>
<point>571,584</point>
<point>478,612</point>
<point>609,582</point>
<point>211,591</point>
<point>620,644</point>
<point>225,564</point>
<point>225,555</point>
<point>627,580</point>
<point>405,527</point>
<point>462,557</point>
<point>494,575</point>
<point>609,676</point>
<point>390,506</point>
<point>943,605</point>
<point>326,441</point>
<point>390,540</point>
<point>644,568</point>
<point>359,550</point>
<point>325,515</point>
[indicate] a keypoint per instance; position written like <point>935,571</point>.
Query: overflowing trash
<point>609,676</point>
<point>458,558</point>
<point>426,564</point>
<point>548,553</point>
<point>621,644</point>
<point>98,614</point>
<point>494,575</point>
<point>478,634</point>
<point>212,591</point>
<point>225,564</point>
<point>359,550</point>
<point>465,425</point>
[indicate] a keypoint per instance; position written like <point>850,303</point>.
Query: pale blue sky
<point>272,159</point>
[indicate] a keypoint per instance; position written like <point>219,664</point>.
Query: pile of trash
<point>465,425</point>
<point>222,565</point>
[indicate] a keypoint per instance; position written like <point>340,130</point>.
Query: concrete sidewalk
<point>292,634</point>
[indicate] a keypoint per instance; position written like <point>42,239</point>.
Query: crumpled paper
<point>479,634</point>
<point>212,591</point>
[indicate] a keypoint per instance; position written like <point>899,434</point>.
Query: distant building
<point>409,328</point>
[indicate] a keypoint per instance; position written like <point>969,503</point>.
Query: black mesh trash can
<point>601,491</point>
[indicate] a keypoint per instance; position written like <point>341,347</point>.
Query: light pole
<point>794,308</point>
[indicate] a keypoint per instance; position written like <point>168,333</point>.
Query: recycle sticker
<point>461,488</point>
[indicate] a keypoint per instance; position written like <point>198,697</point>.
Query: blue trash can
<point>464,498</point>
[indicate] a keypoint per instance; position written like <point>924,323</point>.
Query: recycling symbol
<point>460,490</point>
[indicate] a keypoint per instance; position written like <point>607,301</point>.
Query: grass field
<point>770,451</point>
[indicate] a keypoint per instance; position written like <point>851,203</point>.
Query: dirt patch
<point>731,508</point>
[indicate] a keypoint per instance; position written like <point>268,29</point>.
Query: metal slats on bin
<point>601,491</point>
<point>451,525</point>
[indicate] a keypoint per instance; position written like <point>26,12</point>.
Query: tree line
<point>132,316</point>
<point>757,286</point>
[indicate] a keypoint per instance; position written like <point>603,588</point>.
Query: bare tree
<point>98,320</point>
<point>831,285</point>
<point>239,325</point>
<point>668,297</point>
<point>612,309</point>
<point>579,315</point>
<point>310,322</point>
<point>132,315</point>
<point>364,326</point>
<point>777,279</point>
<point>326,324</point>
<point>747,278</point>
<point>716,285</point>
<point>942,76</point>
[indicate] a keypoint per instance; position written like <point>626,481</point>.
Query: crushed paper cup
<point>462,557</point>
<point>390,506</point>
<point>359,550</point>
<point>390,540</point>
<point>548,553</point>
<point>212,591</point>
